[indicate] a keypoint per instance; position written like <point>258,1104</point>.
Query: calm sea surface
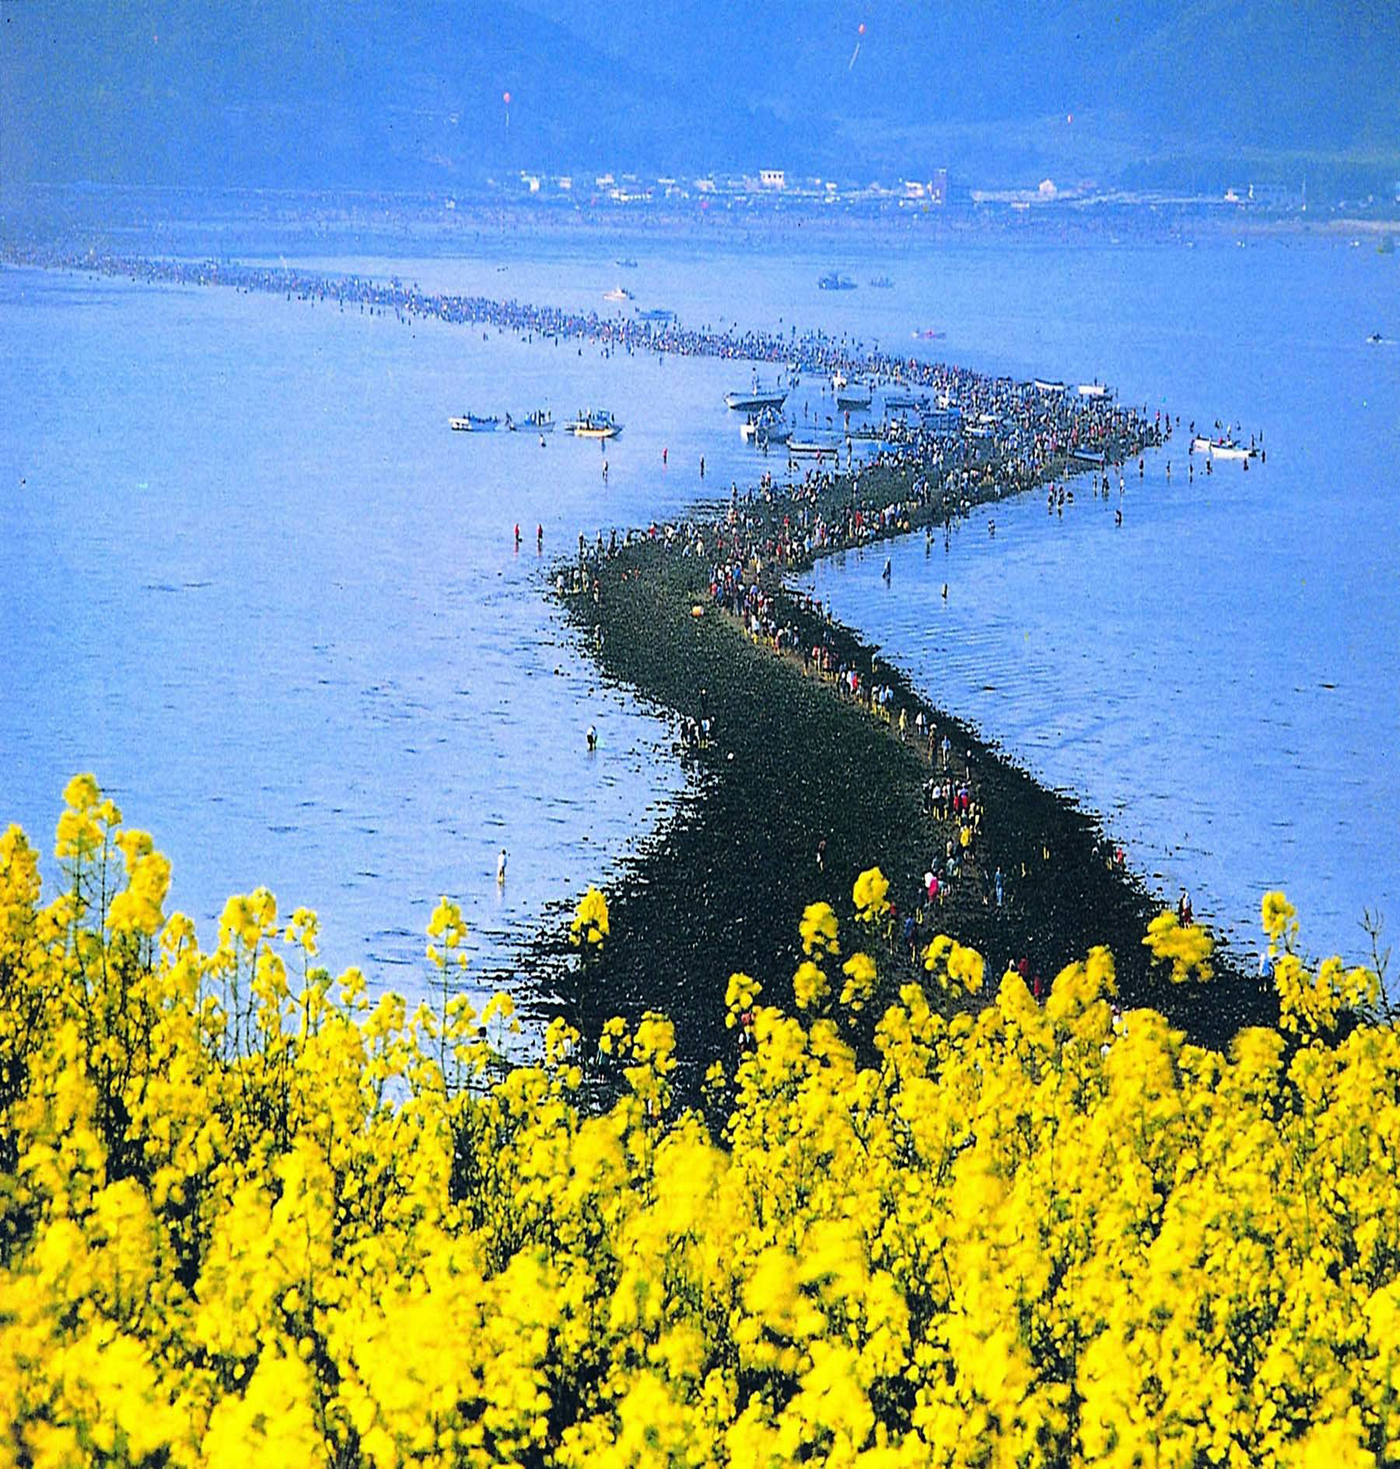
<point>255,584</point>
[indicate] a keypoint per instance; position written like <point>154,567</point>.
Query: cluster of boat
<point>903,411</point>
<point>660,314</point>
<point>835,281</point>
<point>1057,389</point>
<point>588,423</point>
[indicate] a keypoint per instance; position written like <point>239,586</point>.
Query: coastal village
<point>775,189</point>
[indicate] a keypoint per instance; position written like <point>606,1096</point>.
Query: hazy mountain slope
<point>404,95</point>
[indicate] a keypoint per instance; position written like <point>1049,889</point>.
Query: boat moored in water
<point>594,423</point>
<point>1223,448</point>
<point>472,423</point>
<point>834,281</point>
<point>813,448</point>
<point>765,427</point>
<point>854,396</point>
<point>540,421</point>
<point>756,398</point>
<point>618,293</point>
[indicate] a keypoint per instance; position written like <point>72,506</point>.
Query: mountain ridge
<point>265,93</point>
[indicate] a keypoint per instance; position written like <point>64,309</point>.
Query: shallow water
<point>1217,676</point>
<point>256,584</point>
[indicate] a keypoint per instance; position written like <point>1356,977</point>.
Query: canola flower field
<point>246,1216</point>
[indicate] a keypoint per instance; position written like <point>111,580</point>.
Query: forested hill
<point>410,93</point>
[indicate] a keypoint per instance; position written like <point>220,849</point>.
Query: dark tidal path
<point>792,761</point>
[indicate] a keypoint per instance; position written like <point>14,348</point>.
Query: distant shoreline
<point>225,223</point>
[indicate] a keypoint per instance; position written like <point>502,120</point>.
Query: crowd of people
<point>1020,425</point>
<point>742,551</point>
<point>1013,436</point>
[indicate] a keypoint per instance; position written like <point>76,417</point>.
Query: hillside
<point>267,93</point>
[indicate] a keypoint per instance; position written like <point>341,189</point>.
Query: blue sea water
<point>1216,677</point>
<point>255,584</point>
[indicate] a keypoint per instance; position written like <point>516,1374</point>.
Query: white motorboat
<point>1223,448</point>
<point>594,423</point>
<point>766,427</point>
<point>756,398</point>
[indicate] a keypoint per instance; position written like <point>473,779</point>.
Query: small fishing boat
<point>627,263</point>
<point>902,401</point>
<point>882,283</point>
<point>813,448</point>
<point>656,313</point>
<point>594,423</point>
<point>768,426</point>
<point>1375,339</point>
<point>833,281</point>
<point>1222,448</point>
<point>540,421</point>
<point>755,398</point>
<point>618,293</point>
<point>471,423</point>
<point>1094,390</point>
<point>854,396</point>
<point>1048,387</point>
<point>929,334</point>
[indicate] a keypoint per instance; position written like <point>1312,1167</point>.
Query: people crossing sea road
<point>1041,424</point>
